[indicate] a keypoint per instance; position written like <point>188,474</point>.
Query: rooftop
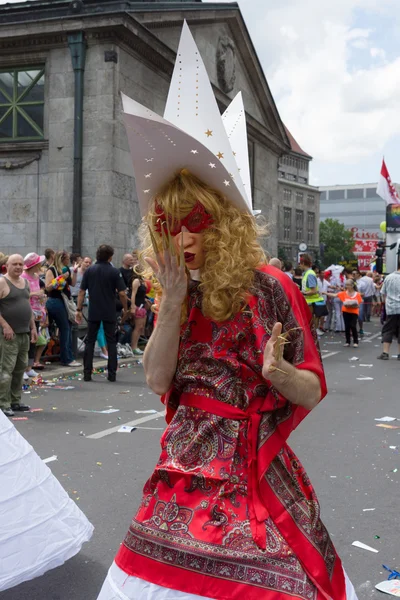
<point>295,146</point>
<point>47,9</point>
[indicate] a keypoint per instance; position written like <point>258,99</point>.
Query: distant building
<point>361,210</point>
<point>356,206</point>
<point>298,204</point>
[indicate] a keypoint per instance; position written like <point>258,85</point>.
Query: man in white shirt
<point>366,287</point>
<point>391,328</point>
<point>323,286</point>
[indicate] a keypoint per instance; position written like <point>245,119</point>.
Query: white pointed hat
<point>191,135</point>
<point>234,120</point>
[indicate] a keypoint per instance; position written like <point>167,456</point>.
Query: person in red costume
<point>228,511</point>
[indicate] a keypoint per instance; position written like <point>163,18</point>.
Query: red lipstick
<point>189,257</point>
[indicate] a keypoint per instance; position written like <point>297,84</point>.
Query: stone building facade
<point>66,178</point>
<point>299,204</point>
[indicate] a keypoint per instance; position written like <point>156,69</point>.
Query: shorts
<point>391,329</point>
<point>140,313</point>
<point>319,309</point>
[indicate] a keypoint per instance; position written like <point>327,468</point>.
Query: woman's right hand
<point>171,274</point>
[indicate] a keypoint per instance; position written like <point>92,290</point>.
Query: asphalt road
<point>346,455</point>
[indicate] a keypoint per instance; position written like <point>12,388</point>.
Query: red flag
<point>386,189</point>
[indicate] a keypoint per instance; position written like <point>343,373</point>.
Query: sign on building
<point>393,218</point>
<point>365,243</point>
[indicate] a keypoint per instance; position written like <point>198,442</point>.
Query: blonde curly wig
<point>231,247</point>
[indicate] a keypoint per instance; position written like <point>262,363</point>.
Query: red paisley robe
<point>229,511</point>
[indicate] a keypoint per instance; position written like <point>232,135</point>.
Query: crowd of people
<point>343,299</point>
<point>46,296</point>
<point>42,301</point>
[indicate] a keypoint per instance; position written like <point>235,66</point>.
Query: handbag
<point>70,307</point>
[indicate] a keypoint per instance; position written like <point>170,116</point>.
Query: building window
<point>355,194</point>
<point>287,195</point>
<point>310,227</point>
<point>21,104</point>
<point>336,194</point>
<point>291,177</point>
<point>299,225</point>
<point>299,196</point>
<point>302,180</point>
<point>287,222</point>
<point>310,198</point>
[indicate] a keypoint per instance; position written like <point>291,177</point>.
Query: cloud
<point>377,53</point>
<point>320,59</point>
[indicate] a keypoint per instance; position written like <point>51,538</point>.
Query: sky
<point>333,67</point>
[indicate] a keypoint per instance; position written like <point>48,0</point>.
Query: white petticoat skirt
<point>40,526</point>
<point>120,586</point>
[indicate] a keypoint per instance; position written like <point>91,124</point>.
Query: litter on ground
<point>364,547</point>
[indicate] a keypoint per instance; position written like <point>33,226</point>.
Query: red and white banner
<point>386,189</point>
<point>365,260</point>
<point>365,244</point>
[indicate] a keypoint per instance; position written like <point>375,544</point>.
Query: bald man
<point>17,329</point>
<point>128,262</point>
<point>275,262</point>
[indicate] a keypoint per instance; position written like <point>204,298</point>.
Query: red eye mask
<point>196,221</point>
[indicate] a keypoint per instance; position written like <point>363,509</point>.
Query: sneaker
<point>111,378</point>
<point>87,378</point>
<point>137,352</point>
<point>20,407</point>
<point>383,356</point>
<point>8,412</point>
<point>103,356</point>
<point>361,331</point>
<point>129,351</point>
<point>74,363</point>
<point>355,345</point>
<point>346,345</point>
<point>32,373</point>
<point>26,376</point>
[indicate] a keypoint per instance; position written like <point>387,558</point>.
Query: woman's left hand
<point>270,362</point>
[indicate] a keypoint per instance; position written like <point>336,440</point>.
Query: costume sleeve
<point>281,301</point>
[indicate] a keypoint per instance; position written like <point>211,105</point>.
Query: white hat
<point>192,135</point>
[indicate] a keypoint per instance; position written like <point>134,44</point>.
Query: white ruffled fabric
<point>40,526</point>
<point>120,586</point>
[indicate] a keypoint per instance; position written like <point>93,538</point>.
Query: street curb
<point>68,371</point>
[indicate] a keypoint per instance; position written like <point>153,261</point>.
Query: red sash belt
<point>258,512</point>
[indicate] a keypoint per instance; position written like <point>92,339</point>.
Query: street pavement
<point>347,457</point>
